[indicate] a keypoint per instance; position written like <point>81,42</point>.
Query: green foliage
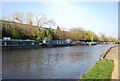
<point>5,32</point>
<point>111,39</point>
<point>101,70</point>
<point>89,35</point>
<point>49,35</point>
<point>54,37</point>
<point>45,35</point>
<point>58,33</point>
<point>78,34</point>
<point>41,35</point>
<point>27,31</point>
<point>103,37</point>
<point>18,30</point>
<point>58,28</point>
<point>15,33</point>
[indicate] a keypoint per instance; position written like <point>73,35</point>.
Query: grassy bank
<point>101,70</point>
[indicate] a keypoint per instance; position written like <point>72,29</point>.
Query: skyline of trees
<point>31,26</point>
<point>38,19</point>
<point>22,31</point>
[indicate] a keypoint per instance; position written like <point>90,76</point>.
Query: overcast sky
<point>95,16</point>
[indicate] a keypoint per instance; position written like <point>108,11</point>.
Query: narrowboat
<point>78,43</point>
<point>73,43</point>
<point>52,43</point>
<point>91,43</point>
<point>68,42</point>
<point>19,43</point>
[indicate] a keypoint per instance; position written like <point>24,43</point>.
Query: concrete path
<point>113,54</point>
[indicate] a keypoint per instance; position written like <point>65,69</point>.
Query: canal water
<point>50,63</point>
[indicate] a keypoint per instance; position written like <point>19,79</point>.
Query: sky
<point>99,17</point>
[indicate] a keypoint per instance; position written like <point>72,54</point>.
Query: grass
<point>100,71</point>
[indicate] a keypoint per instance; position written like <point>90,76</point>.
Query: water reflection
<point>50,63</point>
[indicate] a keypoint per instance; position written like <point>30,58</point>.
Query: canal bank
<point>106,67</point>
<point>113,54</point>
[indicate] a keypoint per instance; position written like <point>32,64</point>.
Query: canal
<point>50,63</point>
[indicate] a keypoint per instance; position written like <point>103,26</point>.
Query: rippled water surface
<point>50,63</point>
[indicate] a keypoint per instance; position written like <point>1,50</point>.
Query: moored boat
<point>6,44</point>
<point>91,43</point>
<point>52,43</point>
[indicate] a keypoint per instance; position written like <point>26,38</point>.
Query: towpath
<point>113,54</point>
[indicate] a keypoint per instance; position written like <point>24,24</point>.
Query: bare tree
<point>18,16</point>
<point>29,18</point>
<point>40,19</point>
<point>51,23</point>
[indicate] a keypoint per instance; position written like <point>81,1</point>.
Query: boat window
<point>44,41</point>
<point>32,43</point>
<point>15,43</point>
<point>4,43</point>
<point>23,42</point>
<point>1,43</point>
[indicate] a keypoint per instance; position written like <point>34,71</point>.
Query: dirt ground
<point>113,54</point>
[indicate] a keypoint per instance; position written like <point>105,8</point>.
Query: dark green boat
<point>19,43</point>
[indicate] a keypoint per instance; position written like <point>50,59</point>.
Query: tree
<point>44,35</point>
<point>58,33</point>
<point>51,22</point>
<point>89,35</point>
<point>103,37</point>
<point>96,38</point>
<point>15,33</point>
<point>111,39</point>
<point>5,32</point>
<point>18,16</point>
<point>41,19</point>
<point>29,18</point>
<point>49,35</point>
<point>41,35</point>
<point>77,34</point>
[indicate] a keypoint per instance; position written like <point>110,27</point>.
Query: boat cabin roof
<point>18,41</point>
